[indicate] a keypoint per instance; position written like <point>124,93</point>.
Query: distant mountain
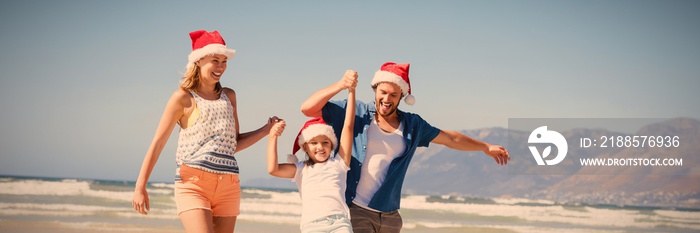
<point>440,170</point>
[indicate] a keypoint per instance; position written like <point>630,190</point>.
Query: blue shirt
<point>417,132</point>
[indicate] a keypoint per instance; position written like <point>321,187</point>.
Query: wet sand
<point>17,226</point>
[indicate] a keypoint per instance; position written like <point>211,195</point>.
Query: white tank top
<point>209,143</point>
<point>382,148</point>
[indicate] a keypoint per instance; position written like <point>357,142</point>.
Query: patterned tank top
<point>208,144</point>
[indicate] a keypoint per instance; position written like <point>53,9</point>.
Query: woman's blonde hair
<point>192,79</point>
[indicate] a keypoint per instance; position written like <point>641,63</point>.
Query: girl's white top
<point>322,188</point>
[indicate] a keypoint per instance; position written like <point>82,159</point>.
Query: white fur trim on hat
<point>410,100</point>
<point>386,76</point>
<point>207,50</point>
<point>315,130</point>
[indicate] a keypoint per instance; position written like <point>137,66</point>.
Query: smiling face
<point>319,148</point>
<point>387,96</point>
<point>212,67</point>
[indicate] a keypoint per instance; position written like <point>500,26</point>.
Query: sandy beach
<point>29,205</point>
<point>19,226</point>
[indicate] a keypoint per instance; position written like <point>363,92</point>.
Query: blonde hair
<point>192,79</point>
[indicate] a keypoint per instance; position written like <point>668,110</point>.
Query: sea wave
<point>68,210</point>
<point>516,201</point>
<point>167,214</point>
<point>67,187</point>
<point>271,206</point>
<point>270,218</point>
<point>587,216</point>
<point>55,209</point>
<point>164,185</point>
<point>277,197</point>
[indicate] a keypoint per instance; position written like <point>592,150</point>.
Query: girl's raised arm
<point>283,170</point>
<point>346,137</point>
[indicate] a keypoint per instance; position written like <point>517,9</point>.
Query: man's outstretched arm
<point>458,141</point>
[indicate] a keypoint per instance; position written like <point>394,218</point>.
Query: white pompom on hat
<point>398,74</point>
<point>311,129</point>
<point>205,43</point>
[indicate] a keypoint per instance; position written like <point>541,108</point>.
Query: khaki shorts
<point>218,193</point>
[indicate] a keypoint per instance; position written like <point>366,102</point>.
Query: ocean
<point>78,205</point>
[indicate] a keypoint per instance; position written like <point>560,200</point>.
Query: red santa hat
<point>398,74</point>
<point>205,43</point>
<point>311,129</point>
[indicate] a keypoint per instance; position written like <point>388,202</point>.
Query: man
<point>385,139</point>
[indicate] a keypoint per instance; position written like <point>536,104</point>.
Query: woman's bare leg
<point>224,224</point>
<point>197,221</point>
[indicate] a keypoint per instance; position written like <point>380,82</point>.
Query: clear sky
<point>84,83</point>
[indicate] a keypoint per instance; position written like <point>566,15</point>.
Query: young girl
<point>320,179</point>
<point>207,188</point>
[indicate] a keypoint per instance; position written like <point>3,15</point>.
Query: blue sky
<point>84,82</point>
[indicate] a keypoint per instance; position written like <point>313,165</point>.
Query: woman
<point>207,188</point>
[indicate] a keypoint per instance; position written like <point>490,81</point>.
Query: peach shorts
<point>219,193</point>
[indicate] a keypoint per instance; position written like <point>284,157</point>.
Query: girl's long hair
<point>192,79</point>
<point>310,161</point>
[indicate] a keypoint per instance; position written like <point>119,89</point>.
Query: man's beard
<point>391,111</point>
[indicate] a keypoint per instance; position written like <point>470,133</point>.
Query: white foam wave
<point>15,212</point>
<point>277,197</point>
<point>164,185</point>
<point>38,187</point>
<point>167,214</point>
<point>248,205</point>
<point>280,207</point>
<point>67,187</point>
<point>55,209</point>
<point>60,207</point>
<point>588,217</point>
<point>279,204</point>
<point>677,217</point>
<point>678,214</point>
<point>285,207</point>
<point>31,209</point>
<point>513,201</point>
<point>270,218</point>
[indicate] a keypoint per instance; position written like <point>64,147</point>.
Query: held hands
<point>349,80</point>
<point>277,128</point>
<point>498,153</point>
<point>270,122</point>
